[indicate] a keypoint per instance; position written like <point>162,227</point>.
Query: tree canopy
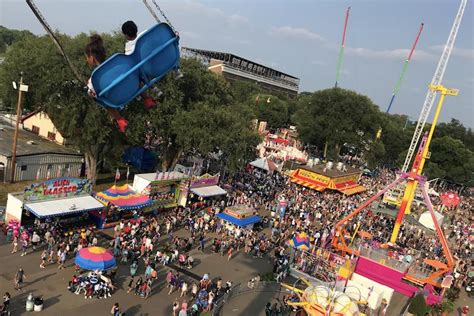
<point>198,112</point>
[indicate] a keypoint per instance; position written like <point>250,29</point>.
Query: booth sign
<point>57,188</point>
<point>204,181</point>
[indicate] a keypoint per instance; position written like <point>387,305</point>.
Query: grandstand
<point>235,68</point>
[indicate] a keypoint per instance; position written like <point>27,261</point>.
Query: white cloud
<point>461,52</point>
<point>295,33</point>
<point>318,62</point>
<point>203,11</point>
<point>399,53</point>
<point>238,19</point>
<point>189,35</point>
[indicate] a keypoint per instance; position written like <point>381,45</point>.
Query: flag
<point>128,171</point>
<point>157,174</point>
<point>69,171</point>
<point>268,100</point>
<point>257,99</point>
<point>117,175</point>
<point>48,174</point>
<point>38,174</point>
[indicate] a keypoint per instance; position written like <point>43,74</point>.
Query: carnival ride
<point>438,268</point>
<point>121,78</point>
<point>322,301</point>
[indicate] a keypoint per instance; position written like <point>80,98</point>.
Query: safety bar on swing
<point>137,66</point>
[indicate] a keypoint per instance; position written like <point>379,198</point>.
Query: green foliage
<point>418,306</point>
<point>271,109</point>
<point>450,158</point>
<point>337,116</point>
<point>8,37</point>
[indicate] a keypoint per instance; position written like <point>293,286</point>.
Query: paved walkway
<point>51,283</point>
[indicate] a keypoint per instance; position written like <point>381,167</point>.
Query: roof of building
<point>333,172</point>
<point>24,145</point>
<point>232,59</point>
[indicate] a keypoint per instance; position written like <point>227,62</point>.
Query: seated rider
<point>130,31</point>
<point>96,55</point>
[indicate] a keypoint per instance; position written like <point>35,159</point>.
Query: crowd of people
<point>150,243</point>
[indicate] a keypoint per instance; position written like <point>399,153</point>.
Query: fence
<point>239,289</point>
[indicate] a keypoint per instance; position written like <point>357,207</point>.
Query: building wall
<point>45,125</point>
<point>33,166</point>
<point>14,208</point>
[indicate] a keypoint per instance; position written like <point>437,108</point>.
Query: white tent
<point>426,220</point>
<point>265,164</point>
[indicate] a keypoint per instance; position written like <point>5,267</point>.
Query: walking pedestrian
<point>44,256</point>
<point>62,260</point>
<point>24,247</point>
<point>15,244</point>
<point>229,254</point>
<point>19,278</point>
<point>115,310</point>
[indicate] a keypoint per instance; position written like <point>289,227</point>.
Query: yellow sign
<point>313,176</point>
<point>346,179</point>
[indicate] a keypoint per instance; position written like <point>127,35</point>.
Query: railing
<point>240,289</point>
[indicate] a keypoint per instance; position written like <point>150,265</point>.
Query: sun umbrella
<point>450,199</point>
<point>300,241</point>
<point>95,258</point>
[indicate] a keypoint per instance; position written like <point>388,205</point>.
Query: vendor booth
<point>122,198</point>
<point>241,216</point>
<point>166,189</point>
<point>67,198</point>
<point>337,177</point>
<point>205,190</point>
<point>264,164</point>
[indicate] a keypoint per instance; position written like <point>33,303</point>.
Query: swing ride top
<point>121,78</point>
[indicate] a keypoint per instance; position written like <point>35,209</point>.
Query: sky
<point>302,38</point>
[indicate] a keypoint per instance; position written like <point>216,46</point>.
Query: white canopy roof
<point>264,163</point>
<point>426,220</point>
<point>208,191</point>
<point>64,206</point>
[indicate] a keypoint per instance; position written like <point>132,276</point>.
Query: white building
<point>37,158</point>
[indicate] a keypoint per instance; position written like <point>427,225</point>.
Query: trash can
<point>29,303</point>
<point>38,304</point>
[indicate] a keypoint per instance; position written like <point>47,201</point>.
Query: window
<point>23,168</point>
<point>35,130</point>
<point>52,136</point>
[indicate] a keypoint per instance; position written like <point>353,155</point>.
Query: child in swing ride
<point>96,55</point>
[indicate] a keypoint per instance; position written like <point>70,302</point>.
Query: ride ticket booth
<point>67,199</point>
<point>205,190</point>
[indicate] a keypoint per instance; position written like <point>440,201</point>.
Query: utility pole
<point>22,88</point>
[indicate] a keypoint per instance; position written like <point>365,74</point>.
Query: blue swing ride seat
<point>121,78</point>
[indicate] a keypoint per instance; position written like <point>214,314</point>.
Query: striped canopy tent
<point>300,241</point>
<point>124,198</point>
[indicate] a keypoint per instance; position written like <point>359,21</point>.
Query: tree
<point>271,109</point>
<point>450,158</point>
<point>395,137</point>
<point>337,116</point>
<point>8,37</point>
<point>198,113</point>
<point>54,89</point>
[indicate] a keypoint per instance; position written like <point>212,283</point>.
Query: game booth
<point>67,200</point>
<point>205,189</point>
<point>337,177</point>
<point>239,215</point>
<point>122,203</point>
<point>166,189</point>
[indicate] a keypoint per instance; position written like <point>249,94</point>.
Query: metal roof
<point>29,144</point>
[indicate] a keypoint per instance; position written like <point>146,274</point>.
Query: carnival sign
<point>205,181</point>
<point>57,188</point>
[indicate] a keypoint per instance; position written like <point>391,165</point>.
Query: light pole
<point>22,88</point>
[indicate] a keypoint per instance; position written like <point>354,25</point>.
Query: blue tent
<point>239,222</point>
<point>140,158</point>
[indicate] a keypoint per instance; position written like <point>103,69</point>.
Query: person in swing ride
<point>96,55</point>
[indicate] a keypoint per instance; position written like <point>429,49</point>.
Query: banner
<point>313,176</point>
<point>57,188</point>
<point>204,181</point>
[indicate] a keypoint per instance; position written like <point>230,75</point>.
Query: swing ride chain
<point>47,27</point>
<point>150,9</point>
<point>164,15</point>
